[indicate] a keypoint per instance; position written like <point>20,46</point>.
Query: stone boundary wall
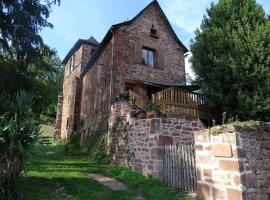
<point>139,143</point>
<point>235,164</point>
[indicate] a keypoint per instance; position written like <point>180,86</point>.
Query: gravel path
<point>109,182</point>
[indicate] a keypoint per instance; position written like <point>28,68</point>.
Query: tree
<point>231,58</point>
<point>20,23</point>
<point>26,61</point>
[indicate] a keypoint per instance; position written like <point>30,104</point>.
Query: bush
<point>18,135</point>
<point>97,146</point>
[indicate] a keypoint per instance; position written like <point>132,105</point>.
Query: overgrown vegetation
<point>95,145</point>
<point>230,56</point>
<point>18,134</point>
<point>231,124</point>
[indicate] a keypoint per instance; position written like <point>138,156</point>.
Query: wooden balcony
<point>136,99</point>
<point>175,102</point>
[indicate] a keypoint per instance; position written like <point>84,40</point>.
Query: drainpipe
<point>111,70</point>
<point>110,92</point>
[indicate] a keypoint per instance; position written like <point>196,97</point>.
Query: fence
<point>179,101</point>
<point>137,100</point>
<point>179,167</point>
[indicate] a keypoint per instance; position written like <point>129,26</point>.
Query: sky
<point>75,19</point>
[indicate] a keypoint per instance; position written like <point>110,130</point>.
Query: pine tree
<point>231,58</point>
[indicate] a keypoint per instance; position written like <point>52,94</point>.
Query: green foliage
<point>116,123</point>
<point>74,142</point>
<point>231,57</point>
<point>26,62</point>
<point>246,126</point>
<point>18,135</point>
<point>149,106</point>
<point>43,84</point>
<point>20,23</point>
<point>97,146</point>
<point>65,174</point>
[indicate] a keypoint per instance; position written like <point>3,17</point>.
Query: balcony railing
<point>136,99</point>
<point>179,102</point>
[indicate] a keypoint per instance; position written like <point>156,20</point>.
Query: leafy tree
<point>43,84</point>
<point>231,58</point>
<point>20,23</point>
<point>26,61</point>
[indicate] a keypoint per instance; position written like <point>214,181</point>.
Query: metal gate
<point>179,167</point>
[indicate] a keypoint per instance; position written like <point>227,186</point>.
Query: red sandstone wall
<point>139,143</point>
<point>95,93</point>
<point>234,164</point>
<point>72,91</point>
<point>96,82</point>
<point>170,64</point>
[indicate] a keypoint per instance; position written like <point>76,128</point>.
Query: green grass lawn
<point>52,174</point>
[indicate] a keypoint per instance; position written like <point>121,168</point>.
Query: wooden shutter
<point>161,63</point>
<point>137,52</point>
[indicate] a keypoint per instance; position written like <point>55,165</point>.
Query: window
<point>153,32</point>
<point>148,57</point>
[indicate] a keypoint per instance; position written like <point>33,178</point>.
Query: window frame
<point>148,52</point>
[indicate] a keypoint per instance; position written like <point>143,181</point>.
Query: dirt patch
<point>109,182</point>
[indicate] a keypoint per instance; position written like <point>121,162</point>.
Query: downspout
<point>111,70</point>
<point>110,93</point>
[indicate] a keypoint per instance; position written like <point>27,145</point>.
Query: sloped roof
<point>93,40</point>
<point>115,27</point>
<point>77,45</point>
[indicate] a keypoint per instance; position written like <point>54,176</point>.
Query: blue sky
<point>76,19</point>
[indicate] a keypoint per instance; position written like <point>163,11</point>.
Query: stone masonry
<point>119,62</point>
<point>72,88</point>
<point>139,143</point>
<point>58,119</point>
<point>234,165</point>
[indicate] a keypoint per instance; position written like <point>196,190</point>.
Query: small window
<point>153,32</point>
<point>148,57</point>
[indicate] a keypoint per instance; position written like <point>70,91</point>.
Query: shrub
<point>18,135</point>
<point>73,145</point>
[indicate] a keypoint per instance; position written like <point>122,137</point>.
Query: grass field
<point>54,175</point>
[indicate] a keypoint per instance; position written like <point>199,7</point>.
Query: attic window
<point>153,32</point>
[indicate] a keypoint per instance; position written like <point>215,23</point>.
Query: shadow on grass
<point>51,174</point>
<point>40,188</point>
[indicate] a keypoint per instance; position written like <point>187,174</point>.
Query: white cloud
<point>186,14</point>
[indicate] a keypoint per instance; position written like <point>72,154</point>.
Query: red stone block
<point>203,191</point>
<point>164,140</point>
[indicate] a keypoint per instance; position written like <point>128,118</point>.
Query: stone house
<point>142,55</point>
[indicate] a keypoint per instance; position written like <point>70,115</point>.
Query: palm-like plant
<point>18,134</point>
